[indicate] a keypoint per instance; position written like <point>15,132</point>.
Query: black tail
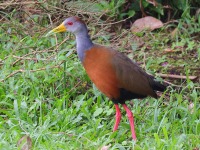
<point>157,86</point>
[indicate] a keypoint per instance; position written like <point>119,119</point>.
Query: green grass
<point>49,97</point>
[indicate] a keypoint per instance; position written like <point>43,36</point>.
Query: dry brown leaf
<point>191,108</point>
<point>146,23</point>
<point>169,50</point>
<point>25,143</point>
<point>174,33</point>
<point>153,2</point>
<point>106,147</point>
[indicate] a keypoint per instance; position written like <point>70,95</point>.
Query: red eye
<point>70,23</point>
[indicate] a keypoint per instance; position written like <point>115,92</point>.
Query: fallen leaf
<point>190,107</point>
<point>164,64</point>
<point>25,143</point>
<point>174,33</point>
<point>169,50</point>
<point>146,23</point>
<point>153,2</point>
<point>105,147</point>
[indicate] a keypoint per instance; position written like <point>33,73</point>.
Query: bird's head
<point>71,24</point>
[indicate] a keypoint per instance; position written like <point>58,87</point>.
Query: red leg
<point>118,117</point>
<point>131,120</point>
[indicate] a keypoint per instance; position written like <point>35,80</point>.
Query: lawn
<point>48,102</point>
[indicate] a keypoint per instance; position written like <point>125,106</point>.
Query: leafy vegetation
<point>48,102</point>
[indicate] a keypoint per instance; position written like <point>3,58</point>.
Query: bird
<point>112,72</point>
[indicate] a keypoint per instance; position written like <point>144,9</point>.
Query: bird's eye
<point>69,23</point>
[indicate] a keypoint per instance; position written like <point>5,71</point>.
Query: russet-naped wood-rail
<point>113,73</point>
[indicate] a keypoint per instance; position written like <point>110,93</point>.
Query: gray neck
<point>83,43</point>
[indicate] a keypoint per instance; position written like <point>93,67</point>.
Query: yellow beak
<point>60,28</point>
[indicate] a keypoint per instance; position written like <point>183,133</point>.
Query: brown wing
<point>131,77</point>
